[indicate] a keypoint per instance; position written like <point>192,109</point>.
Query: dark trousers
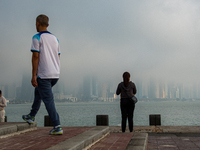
<point>127,108</point>
<point>44,92</point>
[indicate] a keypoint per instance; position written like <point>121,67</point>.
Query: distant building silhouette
<point>90,88</point>
<point>26,89</point>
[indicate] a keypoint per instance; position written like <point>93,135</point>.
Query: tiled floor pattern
<point>38,139</point>
<point>173,142</point>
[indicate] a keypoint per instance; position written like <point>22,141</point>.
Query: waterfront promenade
<point>21,136</point>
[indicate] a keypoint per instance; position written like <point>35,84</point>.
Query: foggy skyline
<point>150,39</point>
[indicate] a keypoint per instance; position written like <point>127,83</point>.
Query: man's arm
<point>35,60</point>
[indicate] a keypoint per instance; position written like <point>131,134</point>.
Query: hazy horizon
<point>150,39</point>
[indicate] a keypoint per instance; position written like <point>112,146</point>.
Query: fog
<point>150,39</point>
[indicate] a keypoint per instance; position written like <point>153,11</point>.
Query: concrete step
<point>139,141</point>
<point>13,128</point>
<point>82,140</point>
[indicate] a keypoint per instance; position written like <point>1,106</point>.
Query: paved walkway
<point>38,139</point>
<point>174,142</point>
<point>114,141</point>
<point>22,136</point>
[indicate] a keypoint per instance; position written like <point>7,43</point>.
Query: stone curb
<point>159,129</point>
<point>13,127</point>
<point>139,141</point>
<point>82,140</point>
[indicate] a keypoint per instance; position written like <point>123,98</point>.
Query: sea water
<point>84,114</point>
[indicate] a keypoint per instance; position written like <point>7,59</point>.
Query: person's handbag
<point>133,99</point>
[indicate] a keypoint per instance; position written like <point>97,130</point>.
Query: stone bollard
<point>47,121</point>
<point>102,120</point>
<point>155,120</point>
<point>5,119</point>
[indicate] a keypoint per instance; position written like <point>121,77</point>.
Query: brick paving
<point>39,139</point>
<point>173,142</point>
<point>114,141</point>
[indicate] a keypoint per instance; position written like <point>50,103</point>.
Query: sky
<point>148,38</point>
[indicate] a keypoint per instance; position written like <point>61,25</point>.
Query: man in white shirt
<point>45,72</point>
<point>3,104</point>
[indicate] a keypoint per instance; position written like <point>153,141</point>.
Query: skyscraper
<point>90,88</point>
<point>26,89</point>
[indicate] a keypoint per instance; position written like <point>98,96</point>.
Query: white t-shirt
<point>3,103</point>
<point>49,62</point>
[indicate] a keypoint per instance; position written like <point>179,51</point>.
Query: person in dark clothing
<point>126,89</point>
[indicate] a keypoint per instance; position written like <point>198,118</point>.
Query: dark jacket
<point>130,90</point>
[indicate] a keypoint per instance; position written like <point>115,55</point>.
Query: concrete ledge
<point>178,129</point>
<point>158,129</point>
<point>82,140</point>
<point>8,129</point>
<point>138,142</point>
<point>24,126</point>
<point>13,127</point>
